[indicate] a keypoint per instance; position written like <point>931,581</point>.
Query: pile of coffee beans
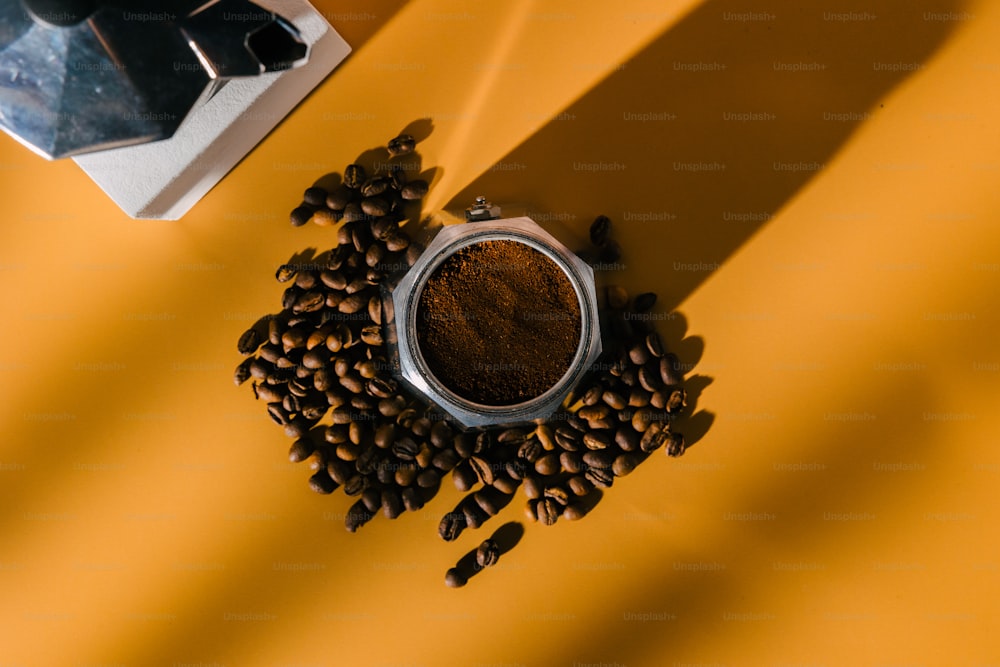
<point>321,367</point>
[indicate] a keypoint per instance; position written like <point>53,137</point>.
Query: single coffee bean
<point>339,471</point>
<point>300,215</point>
<point>464,476</point>
<point>592,396</point>
<point>406,417</point>
<point>405,448</point>
<point>383,227</point>
<point>677,401</point>
<point>483,469</point>
<point>357,516</point>
<point>353,383</point>
<point>348,451</point>
<point>372,499</point>
<point>441,434</point>
<point>548,464</point>
<point>516,469</point>
<point>571,462</point>
<point>548,511</point>
<point>530,450</point>
<point>579,485</point>
<point>557,493</point>
<point>639,354</point>
<point>506,484</point>
<point>614,400</point>
<point>625,463</point>
<point>413,190</point>
<point>300,450</point>
<point>654,344</point>
<point>392,503</point>
<point>355,485</point>
<point>675,445</point>
<point>626,438</point>
<point>616,297</point>
<point>404,144</point>
<point>428,478</point>
<point>412,500</point>
<point>649,379</point>
<point>354,303</point>
<point>452,525</point>
<point>446,460</point>
<point>670,371</point>
<point>599,459</point>
<point>372,335</point>
<point>391,407</point>
<point>454,578</point>
<point>354,176</point>
<point>652,438</point>
<point>339,198</point>
<point>278,414</point>
<point>596,440</point>
<point>425,456</point>
<point>638,397</point>
<point>533,487</point>
<point>658,399</point>
<point>600,230</point>
<point>594,413</point>
<point>242,372</point>
<point>335,434</point>
<point>396,242</point>
<point>413,252</point>
<point>474,514</point>
<point>487,553</point>
<point>544,435</point>
<point>352,213</point>
<point>600,477</point>
<point>630,377</point>
<point>375,206</point>
<point>249,342</point>
<point>314,196</point>
<point>324,217</point>
<point>567,438</point>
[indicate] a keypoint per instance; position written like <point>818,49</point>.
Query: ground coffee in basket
<point>498,323</point>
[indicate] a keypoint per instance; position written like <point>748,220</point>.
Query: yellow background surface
<point>828,267</point>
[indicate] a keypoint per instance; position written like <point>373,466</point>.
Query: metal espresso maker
<point>99,80</point>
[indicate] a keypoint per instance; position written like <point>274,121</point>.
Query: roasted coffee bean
<point>544,435</point>
<point>599,459</point>
<point>639,354</point>
<point>413,190</point>
<point>571,462</point>
<point>339,198</point>
<point>339,471</point>
<point>413,252</point>
<point>490,500</point>
<point>579,485</point>
<point>335,434</point>
<point>384,473</point>
<point>487,553</point>
<point>428,479</point>
<point>627,439</point>
<point>630,377</point>
<point>594,413</point>
<point>242,372</point>
<point>670,371</point>
<point>677,401</point>
<point>625,463</point>
<point>616,297</point>
<point>357,432</point>
<point>530,450</point>
<point>406,417</point>
<point>658,399</point>
<point>357,285</point>
<point>642,419</point>
<point>294,338</point>
<point>396,242</point>
<point>596,440</point>
<point>383,227</point>
<point>573,512</point>
<point>392,503</point>
<point>516,469</point>
<point>506,484</point>
<point>454,578</point>
<point>654,344</point>
<point>278,414</point>
<point>353,383</point>
<point>375,309</point>
<point>334,396</point>
<point>314,196</point>
<point>548,511</point>
<point>600,477</point>
<point>404,144</point>
<point>451,526</point>
<point>464,476</point>
<point>316,358</point>
<point>441,434</point>
<point>357,516</point>
<point>366,369</point>
<point>355,485</point>
<point>638,397</point>
<point>300,215</point>
<point>614,400</point>
<point>372,335</point>
<point>557,493</point>
<point>592,396</point>
<point>483,469</point>
<point>445,460</point>
<point>600,230</point>
<point>425,456</point>
<point>354,176</point>
<point>313,411</point>
<point>548,464</point>
<point>405,448</point>
<point>474,514</point>
<point>320,482</point>
<point>352,213</point>
<point>341,416</point>
<point>568,438</point>
<point>300,450</point>
<point>412,500</point>
<point>285,273</point>
<point>347,451</point>
<point>354,303</point>
<point>649,379</point>
<point>675,444</point>
<point>324,217</point>
<point>484,442</point>
<point>249,341</point>
<point>391,407</point>
<point>309,302</point>
<point>372,499</point>
<point>385,435</point>
<point>270,393</point>
<point>375,206</point>
<point>375,186</point>
<point>653,437</point>
<point>533,487</point>
<point>363,404</point>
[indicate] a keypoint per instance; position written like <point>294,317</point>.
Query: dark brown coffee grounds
<point>498,323</point>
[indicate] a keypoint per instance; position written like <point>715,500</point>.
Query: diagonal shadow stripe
<point>700,139</point>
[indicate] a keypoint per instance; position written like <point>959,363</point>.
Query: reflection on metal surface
<point>77,77</point>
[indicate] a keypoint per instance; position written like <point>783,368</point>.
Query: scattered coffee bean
<point>487,553</point>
